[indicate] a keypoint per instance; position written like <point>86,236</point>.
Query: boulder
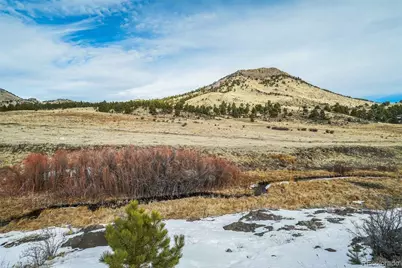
<point>87,240</point>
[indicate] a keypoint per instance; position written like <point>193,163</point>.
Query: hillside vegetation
<point>6,96</point>
<point>259,86</point>
<point>265,93</point>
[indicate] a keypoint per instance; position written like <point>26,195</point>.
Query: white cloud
<point>353,48</point>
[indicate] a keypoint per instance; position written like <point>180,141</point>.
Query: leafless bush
<point>131,171</point>
<point>340,167</point>
<point>40,252</point>
<point>383,232</point>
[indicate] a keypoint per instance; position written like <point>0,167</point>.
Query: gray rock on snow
<point>335,220</point>
<point>261,215</point>
<point>87,240</point>
<point>312,224</point>
<point>242,227</point>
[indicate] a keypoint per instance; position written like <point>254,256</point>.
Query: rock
<point>92,228</point>
<point>317,247</point>
<point>320,211</point>
<point>261,215</point>
<point>312,224</point>
<point>242,227</point>
<point>87,240</point>
<point>26,239</point>
<point>330,250</point>
<point>260,189</point>
<point>193,219</point>
<point>260,234</point>
<point>269,228</point>
<point>335,220</point>
<point>287,228</point>
<point>310,216</point>
<point>344,211</point>
<point>229,250</point>
<point>297,235</point>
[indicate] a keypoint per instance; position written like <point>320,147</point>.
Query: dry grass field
<point>370,154</point>
<point>83,127</point>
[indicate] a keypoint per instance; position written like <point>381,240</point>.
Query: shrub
<point>383,232</point>
<point>313,129</point>
<point>37,254</point>
<point>329,131</point>
<point>141,240</point>
<point>185,124</point>
<point>284,159</point>
<point>130,171</point>
<point>388,168</point>
<point>340,167</point>
<point>280,128</point>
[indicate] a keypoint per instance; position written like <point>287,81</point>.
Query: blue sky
<point>127,49</point>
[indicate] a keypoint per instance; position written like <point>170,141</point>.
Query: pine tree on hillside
<point>141,240</point>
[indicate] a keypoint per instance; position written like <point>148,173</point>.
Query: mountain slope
<point>258,86</point>
<point>8,96</point>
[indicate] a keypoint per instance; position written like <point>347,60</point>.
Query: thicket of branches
<point>133,172</point>
<point>382,232</point>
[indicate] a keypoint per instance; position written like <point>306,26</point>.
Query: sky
<point>96,50</point>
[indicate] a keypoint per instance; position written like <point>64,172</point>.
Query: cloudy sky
<point>127,49</point>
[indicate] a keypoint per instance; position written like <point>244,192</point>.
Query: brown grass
<point>298,195</point>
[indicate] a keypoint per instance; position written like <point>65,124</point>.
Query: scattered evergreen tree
<point>252,118</point>
<point>355,254</point>
<point>141,240</point>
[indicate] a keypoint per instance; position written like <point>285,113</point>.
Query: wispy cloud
<point>348,47</point>
<point>70,7</point>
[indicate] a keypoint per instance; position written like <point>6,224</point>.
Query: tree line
<point>384,112</point>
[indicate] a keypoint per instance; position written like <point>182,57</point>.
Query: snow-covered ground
<point>207,243</point>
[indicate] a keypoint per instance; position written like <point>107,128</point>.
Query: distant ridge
<point>6,96</point>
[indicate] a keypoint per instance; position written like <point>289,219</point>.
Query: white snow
<point>207,242</point>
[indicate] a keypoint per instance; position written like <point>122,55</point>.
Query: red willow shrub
<point>131,171</point>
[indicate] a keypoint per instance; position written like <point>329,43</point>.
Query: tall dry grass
<point>308,194</point>
<point>131,171</point>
